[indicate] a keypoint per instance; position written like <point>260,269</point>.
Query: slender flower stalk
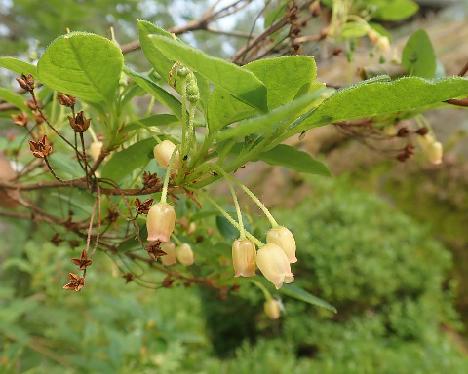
<point>233,222</point>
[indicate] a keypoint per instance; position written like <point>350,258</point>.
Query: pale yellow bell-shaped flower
<point>170,257</point>
<point>284,238</point>
<point>185,254</point>
<point>160,222</point>
<point>272,308</point>
<point>432,149</point>
<point>163,152</point>
<point>274,264</point>
<point>243,258</point>
<point>95,149</point>
<point>383,45</point>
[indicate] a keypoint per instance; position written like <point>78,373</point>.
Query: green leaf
<point>13,98</point>
<point>156,120</point>
<point>228,231</point>
<point>419,57</point>
<point>277,118</point>
<point>276,12</point>
<point>284,77</point>
<point>393,10</point>
<point>300,294</point>
<point>160,63</point>
<point>84,65</point>
<point>18,66</point>
<point>223,109</point>
<point>354,29</point>
<point>125,162</point>
<point>158,92</point>
<point>377,98</point>
<point>238,81</point>
<point>290,157</point>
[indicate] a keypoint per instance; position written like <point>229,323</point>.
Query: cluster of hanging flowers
<point>161,217</point>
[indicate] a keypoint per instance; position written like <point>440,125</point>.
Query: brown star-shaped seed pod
<point>143,207</point>
<point>154,250</point>
<point>40,148</point>
<point>83,262</point>
<point>129,277</point>
<point>150,179</point>
<point>20,119</point>
<point>66,100</point>
<point>80,123</point>
<point>112,215</point>
<point>26,82</point>
<point>75,282</point>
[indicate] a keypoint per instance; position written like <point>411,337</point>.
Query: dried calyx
<point>40,148</point>
<point>79,123</point>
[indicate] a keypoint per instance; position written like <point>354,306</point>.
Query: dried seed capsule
<point>160,222</point>
<point>184,254</point>
<point>170,257</point>
<point>272,308</point>
<point>95,149</point>
<point>163,153</point>
<point>274,264</point>
<point>243,258</point>
<point>285,239</point>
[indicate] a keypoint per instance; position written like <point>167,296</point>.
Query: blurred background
<point>385,242</point>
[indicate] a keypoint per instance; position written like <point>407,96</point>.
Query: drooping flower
<point>163,153</point>
<point>95,149</point>
<point>160,222</point>
<point>432,149</point>
<point>272,308</point>
<point>170,257</point>
<point>243,258</point>
<point>284,238</point>
<point>184,254</point>
<point>274,264</point>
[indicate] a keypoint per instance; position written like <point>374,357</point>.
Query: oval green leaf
<point>291,158</point>
<point>84,65</point>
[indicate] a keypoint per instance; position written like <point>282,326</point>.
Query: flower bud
<point>285,239</point>
<point>184,254</point>
<point>431,148</point>
<point>170,257</point>
<point>163,153</point>
<point>160,222</point>
<point>243,258</point>
<point>383,45</point>
<point>274,264</point>
<point>95,149</point>
<point>272,308</point>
